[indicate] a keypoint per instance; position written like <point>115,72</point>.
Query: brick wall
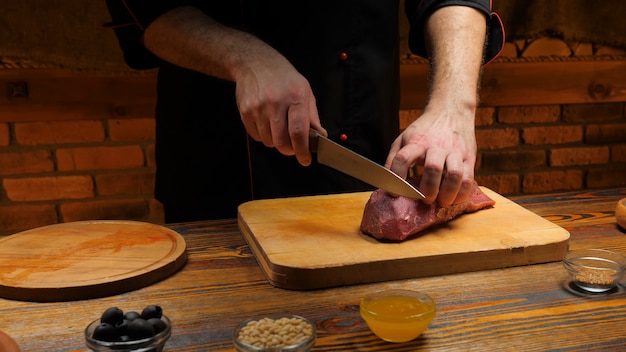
<point>550,148</point>
<point>60,171</point>
<point>574,142</point>
<point>81,147</point>
<point>557,148</point>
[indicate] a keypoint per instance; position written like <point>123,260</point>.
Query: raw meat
<point>397,218</point>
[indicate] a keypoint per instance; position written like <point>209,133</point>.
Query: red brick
<point>594,112</point>
<point>25,162</point>
<point>579,156</point>
<point>618,153</point>
<point>100,158</point>
<point>157,215</point>
<point>20,217</point>
<point>5,137</point>
<point>408,116</point>
<point>497,138</point>
<point>113,209</point>
<point>550,181</point>
<point>485,116</point>
<point>606,133</point>
<point>502,184</point>
<point>546,47</point>
<point>605,50</point>
<point>132,129</point>
<point>529,114</point>
<point>135,183</point>
<point>150,157</point>
<point>48,188</point>
<point>58,132</point>
<point>552,135</point>
<point>614,176</point>
<point>509,51</point>
<point>513,160</point>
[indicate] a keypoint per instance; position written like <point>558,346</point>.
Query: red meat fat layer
<point>398,218</point>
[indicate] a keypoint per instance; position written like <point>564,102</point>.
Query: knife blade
<point>351,163</point>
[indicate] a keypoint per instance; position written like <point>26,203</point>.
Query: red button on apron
<point>343,137</point>
<point>343,56</point>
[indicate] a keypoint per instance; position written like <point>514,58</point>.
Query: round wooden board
<point>87,259</point>
<point>7,344</point>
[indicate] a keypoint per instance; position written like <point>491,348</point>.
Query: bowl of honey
<point>397,315</point>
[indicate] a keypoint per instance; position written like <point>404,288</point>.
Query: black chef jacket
<point>348,51</point>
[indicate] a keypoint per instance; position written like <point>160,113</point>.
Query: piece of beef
<point>396,218</point>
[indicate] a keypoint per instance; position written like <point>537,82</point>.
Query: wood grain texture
<point>65,95</point>
<point>620,213</point>
<point>68,95</point>
<point>87,259</point>
<point>531,83</point>
<point>313,242</point>
<point>525,308</point>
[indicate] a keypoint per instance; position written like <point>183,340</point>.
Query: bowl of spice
<point>595,270</point>
<point>283,333</point>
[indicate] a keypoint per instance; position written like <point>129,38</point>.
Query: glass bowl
<point>150,344</point>
<point>398,315</point>
<point>595,270</point>
<point>282,333</point>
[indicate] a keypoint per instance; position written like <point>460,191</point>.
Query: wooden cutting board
<point>314,242</point>
<point>87,259</point>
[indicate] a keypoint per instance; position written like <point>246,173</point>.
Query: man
<point>271,70</point>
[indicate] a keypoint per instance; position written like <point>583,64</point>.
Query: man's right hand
<point>277,106</point>
<point>276,103</point>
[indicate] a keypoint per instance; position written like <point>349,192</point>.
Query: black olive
<point>158,324</point>
<point>152,311</point>
<point>140,329</point>
<point>105,332</point>
<point>117,326</point>
<point>130,316</point>
<point>112,316</point>
<point>122,326</point>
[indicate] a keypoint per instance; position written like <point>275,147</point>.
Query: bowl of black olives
<point>116,330</point>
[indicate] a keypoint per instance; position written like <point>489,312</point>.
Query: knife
<point>345,160</point>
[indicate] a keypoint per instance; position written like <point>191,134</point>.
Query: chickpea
<point>267,332</point>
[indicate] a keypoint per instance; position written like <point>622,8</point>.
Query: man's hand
<point>276,103</point>
<point>442,140</point>
<point>445,147</point>
<point>277,107</point>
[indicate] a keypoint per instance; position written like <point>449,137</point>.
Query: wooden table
<point>526,308</point>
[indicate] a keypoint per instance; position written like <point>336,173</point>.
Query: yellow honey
<point>397,318</point>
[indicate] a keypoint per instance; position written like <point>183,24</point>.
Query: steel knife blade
<point>351,163</point>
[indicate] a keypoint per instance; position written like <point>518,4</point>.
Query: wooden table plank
<point>525,308</point>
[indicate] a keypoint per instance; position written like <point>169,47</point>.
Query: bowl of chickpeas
<point>282,333</point>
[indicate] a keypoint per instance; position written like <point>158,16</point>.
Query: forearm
<point>442,140</point>
<point>275,101</point>
<point>455,38</point>
<point>189,38</point>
